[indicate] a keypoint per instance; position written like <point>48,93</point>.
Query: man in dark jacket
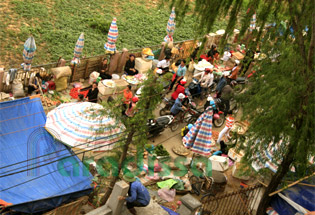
<point>222,83</point>
<point>138,195</point>
<point>226,94</point>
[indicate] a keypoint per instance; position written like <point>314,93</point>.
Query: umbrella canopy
<point>78,50</point>
<point>170,28</point>
<point>112,37</point>
<point>82,126</point>
<point>28,53</point>
<point>199,137</point>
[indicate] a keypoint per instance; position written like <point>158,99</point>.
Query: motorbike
<point>194,88</point>
<point>190,115</point>
<point>158,125</point>
<point>218,118</point>
<point>241,82</point>
<point>234,107</point>
<point>168,105</point>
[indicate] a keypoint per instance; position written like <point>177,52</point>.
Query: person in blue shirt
<point>138,195</point>
<point>222,83</point>
<point>178,106</point>
<point>181,71</point>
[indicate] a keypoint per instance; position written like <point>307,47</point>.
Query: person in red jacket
<point>180,88</point>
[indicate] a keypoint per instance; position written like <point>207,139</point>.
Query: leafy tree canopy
<point>279,101</point>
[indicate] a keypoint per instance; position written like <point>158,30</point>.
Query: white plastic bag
<point>226,56</point>
<point>93,76</point>
<point>17,88</point>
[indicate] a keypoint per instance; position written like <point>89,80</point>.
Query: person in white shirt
<point>206,77</point>
<point>164,64</point>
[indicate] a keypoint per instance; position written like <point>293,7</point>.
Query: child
<point>185,130</point>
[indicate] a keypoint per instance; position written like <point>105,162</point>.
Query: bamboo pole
<point>304,184</point>
<point>290,185</point>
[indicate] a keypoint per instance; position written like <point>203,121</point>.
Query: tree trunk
<point>121,160</point>
<point>276,179</point>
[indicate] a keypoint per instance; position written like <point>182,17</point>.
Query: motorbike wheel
<point>239,88</point>
<point>187,117</point>
<point>235,106</point>
<point>174,126</point>
<point>219,122</point>
<point>163,112</point>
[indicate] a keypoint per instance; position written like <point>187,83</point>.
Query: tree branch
<point>310,57</point>
<point>297,30</point>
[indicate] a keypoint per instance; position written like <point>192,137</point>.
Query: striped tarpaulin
<point>170,28</point>
<point>252,25</point>
<point>78,50</point>
<point>199,137</point>
<point>82,125</point>
<point>112,37</point>
<point>266,158</point>
<point>28,53</point>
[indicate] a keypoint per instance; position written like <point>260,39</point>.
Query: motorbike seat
<point>163,120</point>
<point>240,79</point>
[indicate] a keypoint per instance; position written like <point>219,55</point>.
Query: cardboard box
<point>238,56</point>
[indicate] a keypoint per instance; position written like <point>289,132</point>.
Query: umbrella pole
<point>42,94</point>
<point>83,156</point>
<point>191,161</point>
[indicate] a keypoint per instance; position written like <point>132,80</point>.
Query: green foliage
<point>280,101</point>
<point>279,105</point>
<point>100,24</point>
<point>57,24</point>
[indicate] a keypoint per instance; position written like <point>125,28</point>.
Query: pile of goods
<point>180,150</point>
<point>61,75</point>
<point>240,127</point>
<point>161,151</point>
<point>134,79</point>
<point>109,83</point>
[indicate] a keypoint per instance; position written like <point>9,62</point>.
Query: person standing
<point>181,71</point>
<point>127,98</point>
<point>93,93</point>
<point>138,195</point>
<point>235,70</point>
<point>225,131</point>
<point>227,94</point>
<point>221,84</point>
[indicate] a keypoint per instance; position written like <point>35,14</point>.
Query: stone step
<point>104,210</point>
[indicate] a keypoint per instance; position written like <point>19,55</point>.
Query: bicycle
<point>189,115</point>
<point>204,185</point>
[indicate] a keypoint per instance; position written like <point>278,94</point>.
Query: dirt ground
<point>170,139</point>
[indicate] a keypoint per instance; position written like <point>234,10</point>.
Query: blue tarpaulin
<point>37,172</point>
<point>300,194</point>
